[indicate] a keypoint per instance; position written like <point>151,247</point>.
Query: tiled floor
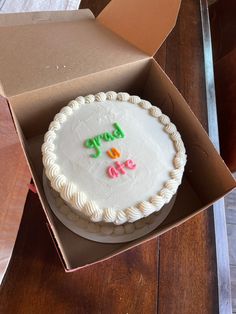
<point>230,204</point>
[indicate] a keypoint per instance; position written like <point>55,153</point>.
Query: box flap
<point>145,24</point>
<point>45,48</point>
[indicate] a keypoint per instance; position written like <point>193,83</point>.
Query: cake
<point>113,158</point>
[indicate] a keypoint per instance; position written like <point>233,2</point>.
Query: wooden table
<point>179,272</point>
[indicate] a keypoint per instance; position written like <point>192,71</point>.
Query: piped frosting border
<point>99,227</point>
<point>78,199</point>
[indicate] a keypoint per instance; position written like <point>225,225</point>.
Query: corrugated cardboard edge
<point>145,24</point>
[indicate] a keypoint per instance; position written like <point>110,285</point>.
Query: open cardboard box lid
<point>26,66</point>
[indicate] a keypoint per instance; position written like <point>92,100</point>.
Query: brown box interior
<point>61,56</point>
<point>144,78</point>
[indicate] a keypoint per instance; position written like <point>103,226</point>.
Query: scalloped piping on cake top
<point>78,199</point>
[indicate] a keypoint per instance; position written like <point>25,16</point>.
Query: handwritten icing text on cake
<point>113,153</point>
<point>96,141</point>
<point>114,172</point>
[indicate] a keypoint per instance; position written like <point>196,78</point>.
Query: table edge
<point>221,241</point>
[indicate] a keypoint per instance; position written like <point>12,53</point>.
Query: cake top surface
<point>113,157</point>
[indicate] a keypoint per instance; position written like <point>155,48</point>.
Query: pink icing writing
<point>120,167</point>
<point>113,172</point>
<point>130,164</point>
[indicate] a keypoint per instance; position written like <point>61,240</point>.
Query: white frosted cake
<point>113,158</point>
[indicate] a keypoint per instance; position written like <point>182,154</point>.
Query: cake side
<point>108,148</point>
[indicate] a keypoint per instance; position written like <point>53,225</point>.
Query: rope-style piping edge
<point>77,199</point>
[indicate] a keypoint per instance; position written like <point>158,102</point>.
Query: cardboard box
<point>50,58</point>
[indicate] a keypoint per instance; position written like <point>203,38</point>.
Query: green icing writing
<point>92,143</point>
<point>96,141</point>
<point>107,137</point>
<point>118,133</point>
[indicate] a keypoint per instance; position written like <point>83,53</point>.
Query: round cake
<point>113,158</point>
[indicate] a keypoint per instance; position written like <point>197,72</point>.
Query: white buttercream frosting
<point>151,141</point>
<point>109,215</point>
<point>145,104</point>
<point>58,181</point>
<point>158,201</point>
<point>78,200</point>
<point>100,96</point>
<point>89,99</point>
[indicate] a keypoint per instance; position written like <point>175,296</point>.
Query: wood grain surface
<point>223,30</point>
<point>37,283</point>
<point>187,265</point>
<point>222,251</point>
<point>175,273</point>
<point>14,177</point>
